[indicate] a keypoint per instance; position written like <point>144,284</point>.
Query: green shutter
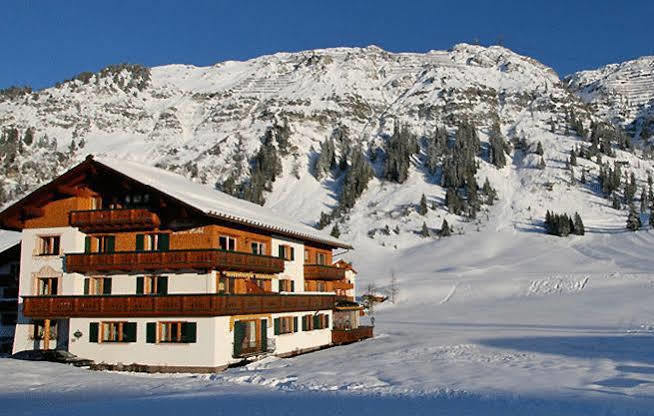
<point>87,244</point>
<point>162,285</point>
<point>295,325</point>
<point>93,332</point>
<point>239,336</point>
<point>140,242</point>
<point>86,286</point>
<point>316,321</point>
<point>139,285</point>
<point>305,327</point>
<point>163,242</point>
<point>189,332</point>
<point>281,252</point>
<point>151,332</point>
<point>292,253</point>
<point>326,321</point>
<point>129,332</point>
<point>292,285</point>
<point>106,286</point>
<point>110,242</point>
<point>264,335</point>
<point>276,323</point>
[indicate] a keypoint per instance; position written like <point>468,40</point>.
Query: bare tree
<point>393,288</point>
<point>369,298</point>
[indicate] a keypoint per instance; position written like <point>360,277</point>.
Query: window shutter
<point>163,242</point>
<point>162,285</point>
<point>295,325</point>
<point>129,332</point>
<point>326,321</point>
<point>86,286</point>
<point>110,241</point>
<point>87,244</point>
<point>139,285</point>
<point>276,322</point>
<point>140,238</point>
<point>316,321</point>
<point>281,252</point>
<point>93,332</point>
<point>239,336</point>
<point>264,335</point>
<point>189,332</point>
<point>106,286</point>
<point>304,323</point>
<point>55,245</point>
<point>292,285</point>
<point>151,332</point>
<point>292,253</point>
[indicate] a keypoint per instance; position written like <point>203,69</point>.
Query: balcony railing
<point>113,219</point>
<point>342,286</point>
<point>200,259</point>
<point>323,272</point>
<point>346,336</point>
<point>133,306</point>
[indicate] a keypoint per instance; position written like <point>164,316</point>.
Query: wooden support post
<point>46,334</point>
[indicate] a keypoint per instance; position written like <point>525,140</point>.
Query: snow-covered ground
<point>493,323</point>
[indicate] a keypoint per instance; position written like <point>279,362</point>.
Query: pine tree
<point>583,177</point>
<point>541,164</point>
<point>616,202</point>
<point>422,207</point>
<point>489,192</point>
<point>539,149</point>
<point>425,231</point>
<point>498,147</point>
<point>357,176</point>
<point>335,231</point>
<point>445,230</point>
<point>633,219</point>
<point>579,228</point>
<point>453,201</point>
<point>643,201</point>
<point>651,217</point>
<point>573,158</point>
<point>324,221</point>
<point>399,149</point>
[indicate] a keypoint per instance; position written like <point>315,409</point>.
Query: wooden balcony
<point>105,220</point>
<point>200,259</point>
<point>134,306</point>
<point>323,272</point>
<point>347,336</point>
<point>342,286</point>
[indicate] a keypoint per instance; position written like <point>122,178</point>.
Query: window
<point>264,284</point>
<point>49,246</point>
<point>227,243</point>
<point>97,286</point>
<point>285,325</point>
<point>112,332</point>
<point>258,248</point>
<point>47,286</point>
<point>39,330</point>
<point>171,332</point>
<point>226,284</point>
<point>306,256</point>
<point>287,252</point>
<point>100,244</point>
<point>153,242</point>
<point>136,200</point>
<point>152,285</point>
<point>286,285</point>
<point>321,258</point>
<point>250,337</point>
<point>317,321</point>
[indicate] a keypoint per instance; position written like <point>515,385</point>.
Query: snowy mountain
<point>622,93</point>
<point>219,124</point>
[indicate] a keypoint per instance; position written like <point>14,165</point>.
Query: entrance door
<point>250,337</point>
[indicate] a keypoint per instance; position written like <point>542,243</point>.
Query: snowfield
<point>494,323</point>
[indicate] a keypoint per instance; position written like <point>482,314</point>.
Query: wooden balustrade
<point>342,285</point>
<point>133,306</point>
<point>103,220</point>
<point>200,259</point>
<point>346,336</point>
<point>323,272</point>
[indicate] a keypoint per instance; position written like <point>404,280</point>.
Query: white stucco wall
<point>293,270</point>
<point>301,340</point>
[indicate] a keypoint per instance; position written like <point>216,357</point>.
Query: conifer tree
<point>445,230</point>
<point>424,232</point>
<point>541,164</point>
<point>324,221</point>
<point>616,202</point>
<point>357,176</point>
<point>539,149</point>
<point>573,158</point>
<point>579,228</point>
<point>498,147</point>
<point>335,231</point>
<point>633,219</point>
<point>583,177</point>
<point>422,207</point>
<point>651,217</point>
<point>643,201</point>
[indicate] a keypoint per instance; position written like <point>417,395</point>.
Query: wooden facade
<point>198,259</point>
<point>116,306</point>
<point>347,336</point>
<point>323,272</point>
<point>105,220</point>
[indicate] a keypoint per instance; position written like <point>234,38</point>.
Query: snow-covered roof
<point>8,239</point>
<point>216,203</point>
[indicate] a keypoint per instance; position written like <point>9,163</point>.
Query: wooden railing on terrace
<point>113,219</point>
<point>132,306</point>
<point>323,272</point>
<point>346,336</point>
<point>194,259</point>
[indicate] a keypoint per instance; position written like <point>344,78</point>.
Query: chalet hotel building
<point>133,266</point>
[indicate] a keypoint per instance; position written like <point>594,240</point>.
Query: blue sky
<point>48,41</point>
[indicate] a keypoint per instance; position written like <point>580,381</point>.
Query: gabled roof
<point>217,204</point>
<point>202,198</point>
<point>8,239</point>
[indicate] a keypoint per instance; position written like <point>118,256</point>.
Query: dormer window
<point>258,248</point>
<point>227,243</point>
